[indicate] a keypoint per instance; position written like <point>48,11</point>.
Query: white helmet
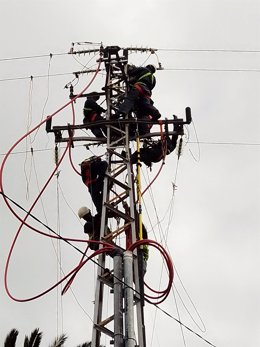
<point>83,211</point>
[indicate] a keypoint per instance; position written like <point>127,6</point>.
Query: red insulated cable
<point>69,283</point>
<point>162,295</point>
<point>51,176</point>
<point>77,268</point>
<point>31,131</point>
<point>70,155</point>
<point>160,169</point>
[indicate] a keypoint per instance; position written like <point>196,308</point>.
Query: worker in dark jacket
<point>92,113</point>
<point>93,173</point>
<point>141,81</point>
<point>92,226</point>
<point>156,151</point>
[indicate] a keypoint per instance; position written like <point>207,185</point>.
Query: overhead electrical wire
<point>163,69</point>
<point>208,50</point>
<point>35,76</point>
<point>91,258</point>
<point>23,220</point>
<point>210,69</point>
<point>203,50</point>
<point>158,295</point>
<point>33,56</point>
<point>165,241</point>
<point>218,143</point>
<point>30,132</point>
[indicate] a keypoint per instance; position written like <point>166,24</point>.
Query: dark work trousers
<point>148,155</point>
<point>140,101</point>
<point>98,169</point>
<point>145,107</point>
<point>98,131</point>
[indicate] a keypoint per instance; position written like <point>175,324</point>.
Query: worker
<point>92,226</point>
<point>93,173</point>
<point>141,82</point>
<point>92,113</point>
<point>156,151</point>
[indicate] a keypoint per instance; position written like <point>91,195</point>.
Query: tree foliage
<point>35,339</point>
<point>10,339</point>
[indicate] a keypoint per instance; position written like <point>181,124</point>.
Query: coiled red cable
<point>161,295</point>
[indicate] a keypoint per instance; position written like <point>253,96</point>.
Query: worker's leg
<point>96,196</point>
<point>129,102</point>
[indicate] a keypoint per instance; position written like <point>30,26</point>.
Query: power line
<point>163,69</point>
<point>203,50</point>
<point>96,263</point>
<point>36,76</point>
<point>33,56</point>
<point>190,142</point>
<point>211,69</point>
<point>208,50</point>
<point>225,143</point>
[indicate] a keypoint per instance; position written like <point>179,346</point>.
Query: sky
<point>210,54</point>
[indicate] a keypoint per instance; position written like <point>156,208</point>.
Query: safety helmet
<point>83,211</point>
<point>151,68</point>
<point>93,96</point>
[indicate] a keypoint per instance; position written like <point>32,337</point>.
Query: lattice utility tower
<point>125,325</point>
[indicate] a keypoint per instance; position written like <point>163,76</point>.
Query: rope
<point>160,169</point>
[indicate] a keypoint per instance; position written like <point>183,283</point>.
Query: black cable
<point>159,49</point>
<point>211,70</point>
<point>32,56</point>
<point>191,142</point>
<point>208,50</point>
<point>185,326</point>
<point>96,263</point>
<point>37,76</point>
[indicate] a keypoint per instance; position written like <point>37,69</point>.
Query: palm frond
<point>59,341</point>
<point>10,339</point>
<point>34,340</point>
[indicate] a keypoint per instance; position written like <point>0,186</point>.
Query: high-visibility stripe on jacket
<point>147,74</point>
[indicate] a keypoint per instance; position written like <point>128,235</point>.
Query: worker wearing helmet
<point>92,226</point>
<point>141,83</point>
<point>93,173</point>
<point>92,113</point>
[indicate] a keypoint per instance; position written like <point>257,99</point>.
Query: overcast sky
<point>210,54</point>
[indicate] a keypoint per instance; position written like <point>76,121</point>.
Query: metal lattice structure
<point>119,203</point>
